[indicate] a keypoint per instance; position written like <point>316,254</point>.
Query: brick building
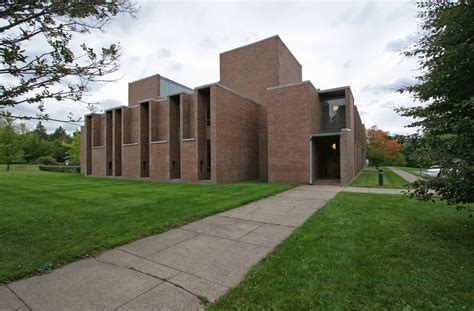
<point>260,121</point>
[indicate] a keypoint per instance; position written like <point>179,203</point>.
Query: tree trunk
<point>8,167</point>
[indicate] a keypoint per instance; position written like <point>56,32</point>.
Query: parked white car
<point>433,171</point>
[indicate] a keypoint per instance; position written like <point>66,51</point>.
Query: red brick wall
<point>131,161</point>
<point>98,145</point>
<point>189,150</point>
<point>159,128</point>
<point>98,161</point>
<point>290,68</point>
<point>250,70</point>
<point>159,161</point>
<point>131,147</point>
<point>147,88</point>
<point>235,152</point>
<point>290,121</point>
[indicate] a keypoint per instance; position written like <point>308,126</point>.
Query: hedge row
<point>60,168</point>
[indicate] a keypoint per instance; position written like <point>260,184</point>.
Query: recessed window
<point>334,114</point>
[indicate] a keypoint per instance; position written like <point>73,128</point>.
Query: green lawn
<point>370,178</point>
<point>367,252</point>
<point>48,219</point>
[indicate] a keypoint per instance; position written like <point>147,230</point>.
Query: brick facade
<point>260,121</point>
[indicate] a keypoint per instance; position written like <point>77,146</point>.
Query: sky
<point>338,43</point>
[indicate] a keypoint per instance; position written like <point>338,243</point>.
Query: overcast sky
<point>355,43</point>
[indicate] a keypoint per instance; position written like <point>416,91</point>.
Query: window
<point>334,114</point>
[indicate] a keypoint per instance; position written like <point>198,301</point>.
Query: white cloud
<point>337,43</point>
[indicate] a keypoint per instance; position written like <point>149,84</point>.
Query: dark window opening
<point>110,168</point>
<point>208,113</point>
<point>208,156</point>
<point>201,164</point>
<point>334,114</point>
<point>204,97</point>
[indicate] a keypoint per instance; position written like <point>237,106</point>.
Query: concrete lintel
<point>98,147</point>
<point>115,108</point>
<point>188,139</point>
<point>288,85</point>
<point>147,101</point>
<point>129,144</point>
<point>340,88</point>
<point>325,134</point>
<point>159,142</point>
<point>92,114</point>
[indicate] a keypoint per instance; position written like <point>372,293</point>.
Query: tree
<point>59,137</point>
<point>35,147</point>
<point>41,131</point>
<point>445,51</point>
<point>74,148</point>
<point>10,144</point>
<point>57,72</point>
<point>380,148</point>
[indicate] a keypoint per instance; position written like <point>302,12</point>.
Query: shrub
<point>60,168</point>
<point>47,160</point>
<point>399,160</point>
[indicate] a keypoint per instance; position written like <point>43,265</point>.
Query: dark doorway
<point>326,158</point>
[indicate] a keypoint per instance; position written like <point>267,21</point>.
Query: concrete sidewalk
<point>405,175</point>
<point>375,190</point>
<point>177,270</point>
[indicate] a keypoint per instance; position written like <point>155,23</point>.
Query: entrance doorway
<point>325,158</point>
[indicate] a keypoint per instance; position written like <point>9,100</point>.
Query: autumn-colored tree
<point>380,148</point>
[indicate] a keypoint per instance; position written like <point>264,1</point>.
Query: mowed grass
<point>367,252</point>
<point>47,219</point>
<point>370,178</point>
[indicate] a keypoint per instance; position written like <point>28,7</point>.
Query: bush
<point>60,168</point>
<point>399,160</point>
<point>47,160</point>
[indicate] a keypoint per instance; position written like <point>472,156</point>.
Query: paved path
<point>375,190</point>
<point>405,175</point>
<point>176,270</point>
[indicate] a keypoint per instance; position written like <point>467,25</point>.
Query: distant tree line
<point>398,150</point>
<point>20,144</point>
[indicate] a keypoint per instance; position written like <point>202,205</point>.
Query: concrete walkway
<point>405,175</point>
<point>375,190</point>
<point>177,270</point>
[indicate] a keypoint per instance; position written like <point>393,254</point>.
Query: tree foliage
<point>445,52</point>
<point>10,143</point>
<point>60,71</point>
<point>74,148</point>
<point>380,148</point>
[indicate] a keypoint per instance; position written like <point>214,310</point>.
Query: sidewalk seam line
<point>177,269</point>
<point>18,296</point>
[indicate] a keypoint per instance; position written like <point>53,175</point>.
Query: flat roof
<point>336,89</point>
<point>260,41</point>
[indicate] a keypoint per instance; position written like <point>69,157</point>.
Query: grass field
<point>47,219</point>
<point>367,252</point>
<point>370,178</point>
